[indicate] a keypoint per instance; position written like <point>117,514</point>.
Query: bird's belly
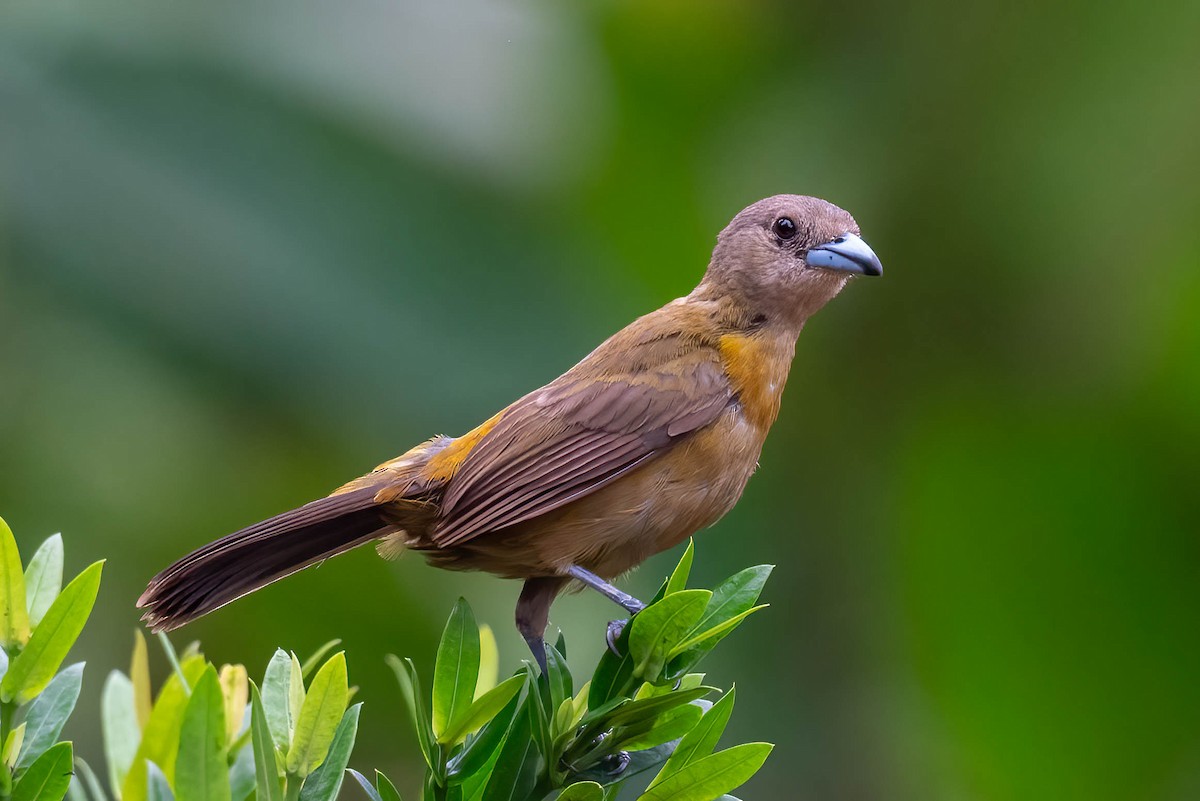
<point>640,514</point>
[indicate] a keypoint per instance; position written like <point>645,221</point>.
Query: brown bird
<point>649,439</point>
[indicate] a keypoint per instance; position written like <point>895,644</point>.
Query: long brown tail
<point>247,560</point>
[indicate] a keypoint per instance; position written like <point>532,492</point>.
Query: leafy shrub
<point>534,736</point>
<point>641,727</point>
<point>39,622</point>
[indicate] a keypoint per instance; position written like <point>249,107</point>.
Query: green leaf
<point>582,791</point>
<point>410,688</point>
<point>275,691</point>
<point>118,722</point>
<point>701,740</point>
<point>518,764</point>
<point>139,674</point>
<point>84,771</point>
<point>484,709</point>
<point>11,749</point>
<point>266,770</point>
<point>242,779</point>
<point>14,617</point>
<point>160,737</point>
<point>731,598</point>
<point>469,765</point>
<point>43,578</point>
<point>646,708</point>
<point>679,576</point>
<point>387,790</point>
<point>711,776</point>
<point>383,789</point>
<point>489,661</point>
<point>313,661</point>
<point>660,627</point>
<point>326,781</point>
<point>716,633</point>
<point>76,792</point>
<point>556,684</point>
<point>366,785</point>
<point>323,707</point>
<point>157,788</point>
<point>48,777</point>
<point>201,770</point>
<point>33,668</point>
<point>295,695</point>
<point>666,727</point>
<point>612,675</point>
<point>49,711</point>
<point>193,649</point>
<point>456,671</point>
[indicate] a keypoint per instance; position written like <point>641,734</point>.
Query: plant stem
<point>7,712</point>
<point>294,783</point>
<point>173,658</point>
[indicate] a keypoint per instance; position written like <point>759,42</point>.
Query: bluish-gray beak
<point>847,253</point>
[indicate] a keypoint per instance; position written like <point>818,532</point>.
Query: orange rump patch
<point>444,464</point>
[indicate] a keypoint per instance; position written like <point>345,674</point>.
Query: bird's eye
<point>784,228</point>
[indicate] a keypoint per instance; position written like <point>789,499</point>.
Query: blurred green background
<point>248,251</point>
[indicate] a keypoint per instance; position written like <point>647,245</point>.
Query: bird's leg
<point>533,613</point>
<point>625,600</point>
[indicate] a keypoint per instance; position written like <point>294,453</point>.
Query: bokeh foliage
<point>247,253</point>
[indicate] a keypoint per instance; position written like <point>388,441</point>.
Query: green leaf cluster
<point>640,728</point>
<point>210,734</point>
<point>39,623</point>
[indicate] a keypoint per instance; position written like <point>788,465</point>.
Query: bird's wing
<point>581,432</point>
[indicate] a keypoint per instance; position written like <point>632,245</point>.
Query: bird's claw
<point>613,634</point>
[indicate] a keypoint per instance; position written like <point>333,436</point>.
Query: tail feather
<point>247,560</point>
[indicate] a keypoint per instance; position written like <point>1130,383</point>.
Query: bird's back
<point>649,438</point>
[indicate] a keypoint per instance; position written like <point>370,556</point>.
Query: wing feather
<point>580,433</point>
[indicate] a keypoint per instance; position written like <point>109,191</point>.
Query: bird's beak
<point>847,253</point>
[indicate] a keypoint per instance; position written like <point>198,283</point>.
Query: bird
<point>650,438</point>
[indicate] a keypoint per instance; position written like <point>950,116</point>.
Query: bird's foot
<point>613,635</point>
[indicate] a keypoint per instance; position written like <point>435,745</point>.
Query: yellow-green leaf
<point>14,617</point>
<point>235,689</point>
<point>489,661</point>
<point>661,626</point>
<point>118,722</point>
<point>266,770</point>
<point>316,660</point>
<point>702,739</point>
<point>712,776</point>
<point>43,578</point>
<point>139,674</point>
<point>483,709</point>
<point>456,670</point>
<point>37,663</point>
<point>679,576</point>
<point>12,747</point>
<point>295,694</point>
<point>201,768</point>
<point>718,631</point>
<point>160,736</point>
<point>323,708</point>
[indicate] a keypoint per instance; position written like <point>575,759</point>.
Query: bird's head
<point>788,255</point>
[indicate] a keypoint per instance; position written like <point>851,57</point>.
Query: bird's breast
<point>757,365</point>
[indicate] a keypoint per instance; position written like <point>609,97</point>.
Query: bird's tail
<point>247,560</point>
